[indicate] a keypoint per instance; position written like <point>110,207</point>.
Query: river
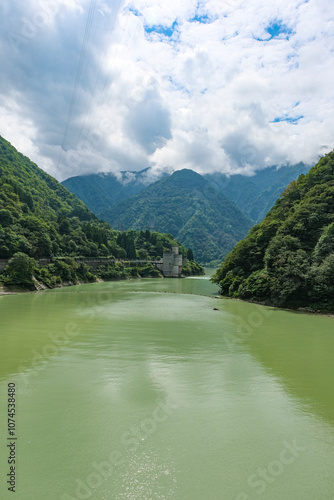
<point>141,390</point>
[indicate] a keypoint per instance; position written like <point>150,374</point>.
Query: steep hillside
<point>100,191</point>
<point>185,205</point>
<point>38,215</point>
<point>256,195</point>
<point>40,218</point>
<point>288,259</point>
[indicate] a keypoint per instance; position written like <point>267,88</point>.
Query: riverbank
<point>5,292</point>
<point>25,275</point>
<point>39,286</point>
<point>302,310</point>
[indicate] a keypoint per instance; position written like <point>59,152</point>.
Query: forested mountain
<point>288,259</point>
<point>40,218</point>
<point>256,195</point>
<point>38,215</point>
<point>102,190</point>
<point>185,205</point>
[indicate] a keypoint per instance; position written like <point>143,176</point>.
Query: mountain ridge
<point>256,194</point>
<point>111,189</point>
<point>185,205</point>
<point>253,196</point>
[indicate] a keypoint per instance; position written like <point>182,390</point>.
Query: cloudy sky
<point>231,86</point>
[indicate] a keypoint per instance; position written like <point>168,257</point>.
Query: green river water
<point>141,390</point>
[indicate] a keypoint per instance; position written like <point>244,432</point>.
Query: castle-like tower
<point>171,266</point>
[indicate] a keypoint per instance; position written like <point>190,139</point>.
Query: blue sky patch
<point>205,19</point>
<point>162,30</point>
<point>278,28</point>
<point>177,85</point>
<point>134,11</point>
<point>288,119</point>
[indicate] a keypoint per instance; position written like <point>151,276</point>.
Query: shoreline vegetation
<point>287,260</point>
<point>296,309</point>
<point>40,220</point>
<point>24,274</point>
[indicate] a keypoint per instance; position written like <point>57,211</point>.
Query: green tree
<point>6,218</point>
<point>159,249</point>
<point>325,245</point>
<point>130,246</point>
<point>20,270</point>
<point>44,245</point>
<point>190,255</point>
<point>64,227</point>
<point>143,254</point>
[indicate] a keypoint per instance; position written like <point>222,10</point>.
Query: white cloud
<point>211,85</point>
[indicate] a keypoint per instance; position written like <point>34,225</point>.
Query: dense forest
<point>255,195</point>
<point>185,205</point>
<point>194,208</point>
<point>287,260</point>
<point>40,218</point>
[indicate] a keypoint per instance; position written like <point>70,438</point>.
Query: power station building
<point>171,265</point>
